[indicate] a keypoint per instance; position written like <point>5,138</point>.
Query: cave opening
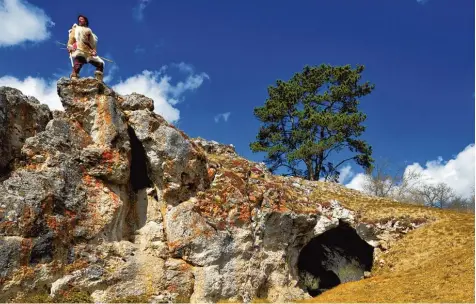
<point>337,256</point>
<point>138,176</point>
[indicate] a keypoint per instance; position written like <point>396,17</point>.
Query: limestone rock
<point>21,117</point>
<point>134,101</point>
<point>176,166</point>
<point>214,147</point>
<point>110,198</point>
<point>179,280</point>
<point>191,238</point>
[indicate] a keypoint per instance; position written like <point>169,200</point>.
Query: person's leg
<point>99,69</point>
<point>98,65</point>
<point>78,63</point>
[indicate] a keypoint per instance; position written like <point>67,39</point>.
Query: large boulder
<point>73,183</point>
<point>21,117</point>
<point>176,165</point>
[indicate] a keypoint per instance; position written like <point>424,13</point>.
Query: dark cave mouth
<point>139,178</point>
<point>337,256</point>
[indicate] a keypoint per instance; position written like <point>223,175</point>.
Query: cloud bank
<point>43,90</point>
<point>153,84</point>
<point>22,22</point>
<point>158,86</point>
<point>458,173</point>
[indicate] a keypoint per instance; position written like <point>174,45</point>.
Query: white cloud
<point>223,116</point>
<point>458,173</point>
<point>183,67</point>
<point>157,85</point>
<point>110,73</point>
<point>43,90</point>
<point>422,1</point>
<point>357,182</point>
<point>138,11</point>
<point>153,84</point>
<point>345,174</point>
<point>192,82</point>
<point>22,22</point>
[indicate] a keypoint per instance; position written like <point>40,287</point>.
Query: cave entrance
<point>138,176</point>
<point>139,181</point>
<point>337,256</point>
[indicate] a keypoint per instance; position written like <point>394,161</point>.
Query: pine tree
<point>311,116</point>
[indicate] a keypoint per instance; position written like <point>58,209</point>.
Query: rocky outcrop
<point>177,166</point>
<point>21,117</point>
<point>114,201</point>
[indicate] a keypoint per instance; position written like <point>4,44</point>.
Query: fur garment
<point>82,35</point>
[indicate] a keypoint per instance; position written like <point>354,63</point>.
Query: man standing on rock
<point>82,48</point>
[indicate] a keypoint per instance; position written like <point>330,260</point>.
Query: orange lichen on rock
<point>103,119</point>
<point>92,182</point>
<point>240,186</point>
<point>111,158</point>
<point>76,265</point>
<point>114,198</point>
<point>81,135</point>
<point>211,173</point>
<point>25,250</point>
<point>109,155</point>
<point>52,222</point>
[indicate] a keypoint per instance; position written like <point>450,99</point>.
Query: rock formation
<point>20,117</point>
<point>109,200</point>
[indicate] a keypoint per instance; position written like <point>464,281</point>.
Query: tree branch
<point>343,162</point>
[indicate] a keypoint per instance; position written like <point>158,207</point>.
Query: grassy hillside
<point>434,263</point>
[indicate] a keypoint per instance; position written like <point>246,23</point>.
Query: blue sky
<point>207,64</point>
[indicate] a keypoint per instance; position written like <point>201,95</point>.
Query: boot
<point>99,75</point>
<point>74,75</point>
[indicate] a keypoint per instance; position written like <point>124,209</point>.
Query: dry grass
<point>434,263</point>
<point>73,296</point>
<point>371,209</point>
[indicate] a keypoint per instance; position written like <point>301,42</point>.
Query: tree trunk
<point>320,157</point>
<point>310,171</point>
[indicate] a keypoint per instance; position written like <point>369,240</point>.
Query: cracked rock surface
<point>20,117</point>
<point>109,200</point>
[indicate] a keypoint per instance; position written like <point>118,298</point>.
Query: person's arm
<point>71,41</point>
<point>92,49</point>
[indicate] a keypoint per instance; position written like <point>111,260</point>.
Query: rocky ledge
<point>108,201</point>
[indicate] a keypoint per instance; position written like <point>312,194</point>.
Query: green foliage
<point>350,272</point>
<point>310,116</point>
<point>309,280</point>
